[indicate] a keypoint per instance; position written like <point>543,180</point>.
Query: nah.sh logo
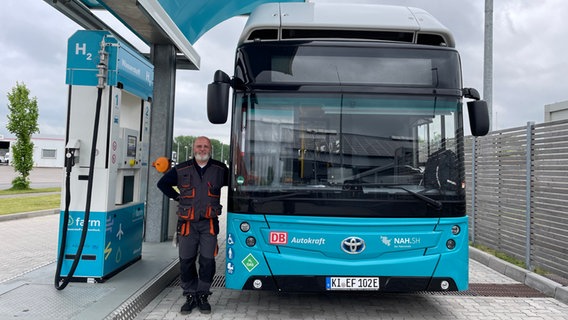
<point>278,237</point>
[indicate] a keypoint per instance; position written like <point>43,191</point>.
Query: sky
<point>529,59</point>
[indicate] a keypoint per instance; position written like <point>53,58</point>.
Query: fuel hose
<point>61,283</point>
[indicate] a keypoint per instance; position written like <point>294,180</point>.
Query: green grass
<point>508,258</point>
<point>499,255</point>
<point>10,191</point>
<point>30,203</point>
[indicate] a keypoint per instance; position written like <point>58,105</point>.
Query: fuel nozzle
<point>71,153</point>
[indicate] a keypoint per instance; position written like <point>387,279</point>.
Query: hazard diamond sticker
<point>250,262</point>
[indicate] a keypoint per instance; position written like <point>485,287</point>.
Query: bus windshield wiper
<point>358,186</point>
<point>278,197</point>
<point>435,203</point>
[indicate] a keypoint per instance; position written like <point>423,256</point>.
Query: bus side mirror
<point>478,117</point>
<point>218,98</point>
<point>478,112</point>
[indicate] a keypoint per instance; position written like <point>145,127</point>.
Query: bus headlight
<point>245,226</point>
<point>456,230</point>
<point>450,244</point>
<point>250,241</point>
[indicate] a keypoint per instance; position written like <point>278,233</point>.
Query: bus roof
<point>316,21</point>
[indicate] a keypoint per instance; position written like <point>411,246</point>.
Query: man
<point>199,181</point>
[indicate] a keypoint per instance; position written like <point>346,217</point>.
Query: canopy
<point>180,23</point>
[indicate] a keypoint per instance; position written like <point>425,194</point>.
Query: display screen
<point>131,147</point>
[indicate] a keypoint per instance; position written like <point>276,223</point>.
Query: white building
<point>556,111</point>
<point>48,152</point>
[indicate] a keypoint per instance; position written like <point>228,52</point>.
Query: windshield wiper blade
<point>278,197</point>
<point>357,186</point>
<point>435,203</point>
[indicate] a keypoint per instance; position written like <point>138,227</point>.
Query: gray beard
<point>203,158</point>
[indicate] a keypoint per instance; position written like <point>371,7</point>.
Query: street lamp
<point>488,60</point>
<point>177,154</point>
<point>186,155</point>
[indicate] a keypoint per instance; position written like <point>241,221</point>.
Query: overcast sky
<point>529,67</point>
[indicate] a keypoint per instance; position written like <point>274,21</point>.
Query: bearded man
<point>199,181</point>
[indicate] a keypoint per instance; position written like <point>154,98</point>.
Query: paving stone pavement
<point>230,304</point>
<point>262,305</point>
<point>30,243</point>
<point>27,244</point>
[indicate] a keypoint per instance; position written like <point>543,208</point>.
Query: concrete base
<point>33,295</point>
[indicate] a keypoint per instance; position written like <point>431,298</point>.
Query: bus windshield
<point>347,154</point>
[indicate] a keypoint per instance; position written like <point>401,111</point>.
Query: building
<point>556,111</point>
<point>48,152</point>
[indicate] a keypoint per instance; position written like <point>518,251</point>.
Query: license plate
<point>352,283</point>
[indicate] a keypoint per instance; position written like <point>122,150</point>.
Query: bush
<point>20,183</point>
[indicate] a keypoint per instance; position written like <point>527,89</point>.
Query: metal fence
<point>517,193</point>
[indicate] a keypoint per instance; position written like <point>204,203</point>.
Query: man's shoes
<point>190,303</point>
<point>204,306</point>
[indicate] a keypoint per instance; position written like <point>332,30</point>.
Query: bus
<point>347,151</point>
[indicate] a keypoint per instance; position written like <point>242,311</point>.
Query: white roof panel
<point>348,16</point>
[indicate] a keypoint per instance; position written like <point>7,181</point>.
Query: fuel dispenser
<point>106,167</point>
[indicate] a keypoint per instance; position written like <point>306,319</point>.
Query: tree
<point>22,122</point>
<point>183,145</point>
<point>220,150</point>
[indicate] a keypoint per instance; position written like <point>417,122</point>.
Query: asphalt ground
<point>498,290</point>
<point>39,177</point>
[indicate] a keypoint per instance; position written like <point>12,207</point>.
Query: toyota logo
<point>353,245</point>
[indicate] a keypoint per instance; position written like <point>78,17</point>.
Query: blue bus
<point>347,160</point>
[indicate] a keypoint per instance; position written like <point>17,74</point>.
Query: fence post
<point>528,165</point>
<point>474,139</point>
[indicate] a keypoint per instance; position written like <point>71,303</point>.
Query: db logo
<point>278,237</point>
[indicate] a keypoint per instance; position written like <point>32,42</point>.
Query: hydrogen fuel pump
<point>106,166</point>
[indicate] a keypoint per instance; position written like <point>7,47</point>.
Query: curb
<point>141,298</point>
<point>24,215</point>
<point>548,287</point>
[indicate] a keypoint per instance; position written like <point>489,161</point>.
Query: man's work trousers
<point>202,240</point>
